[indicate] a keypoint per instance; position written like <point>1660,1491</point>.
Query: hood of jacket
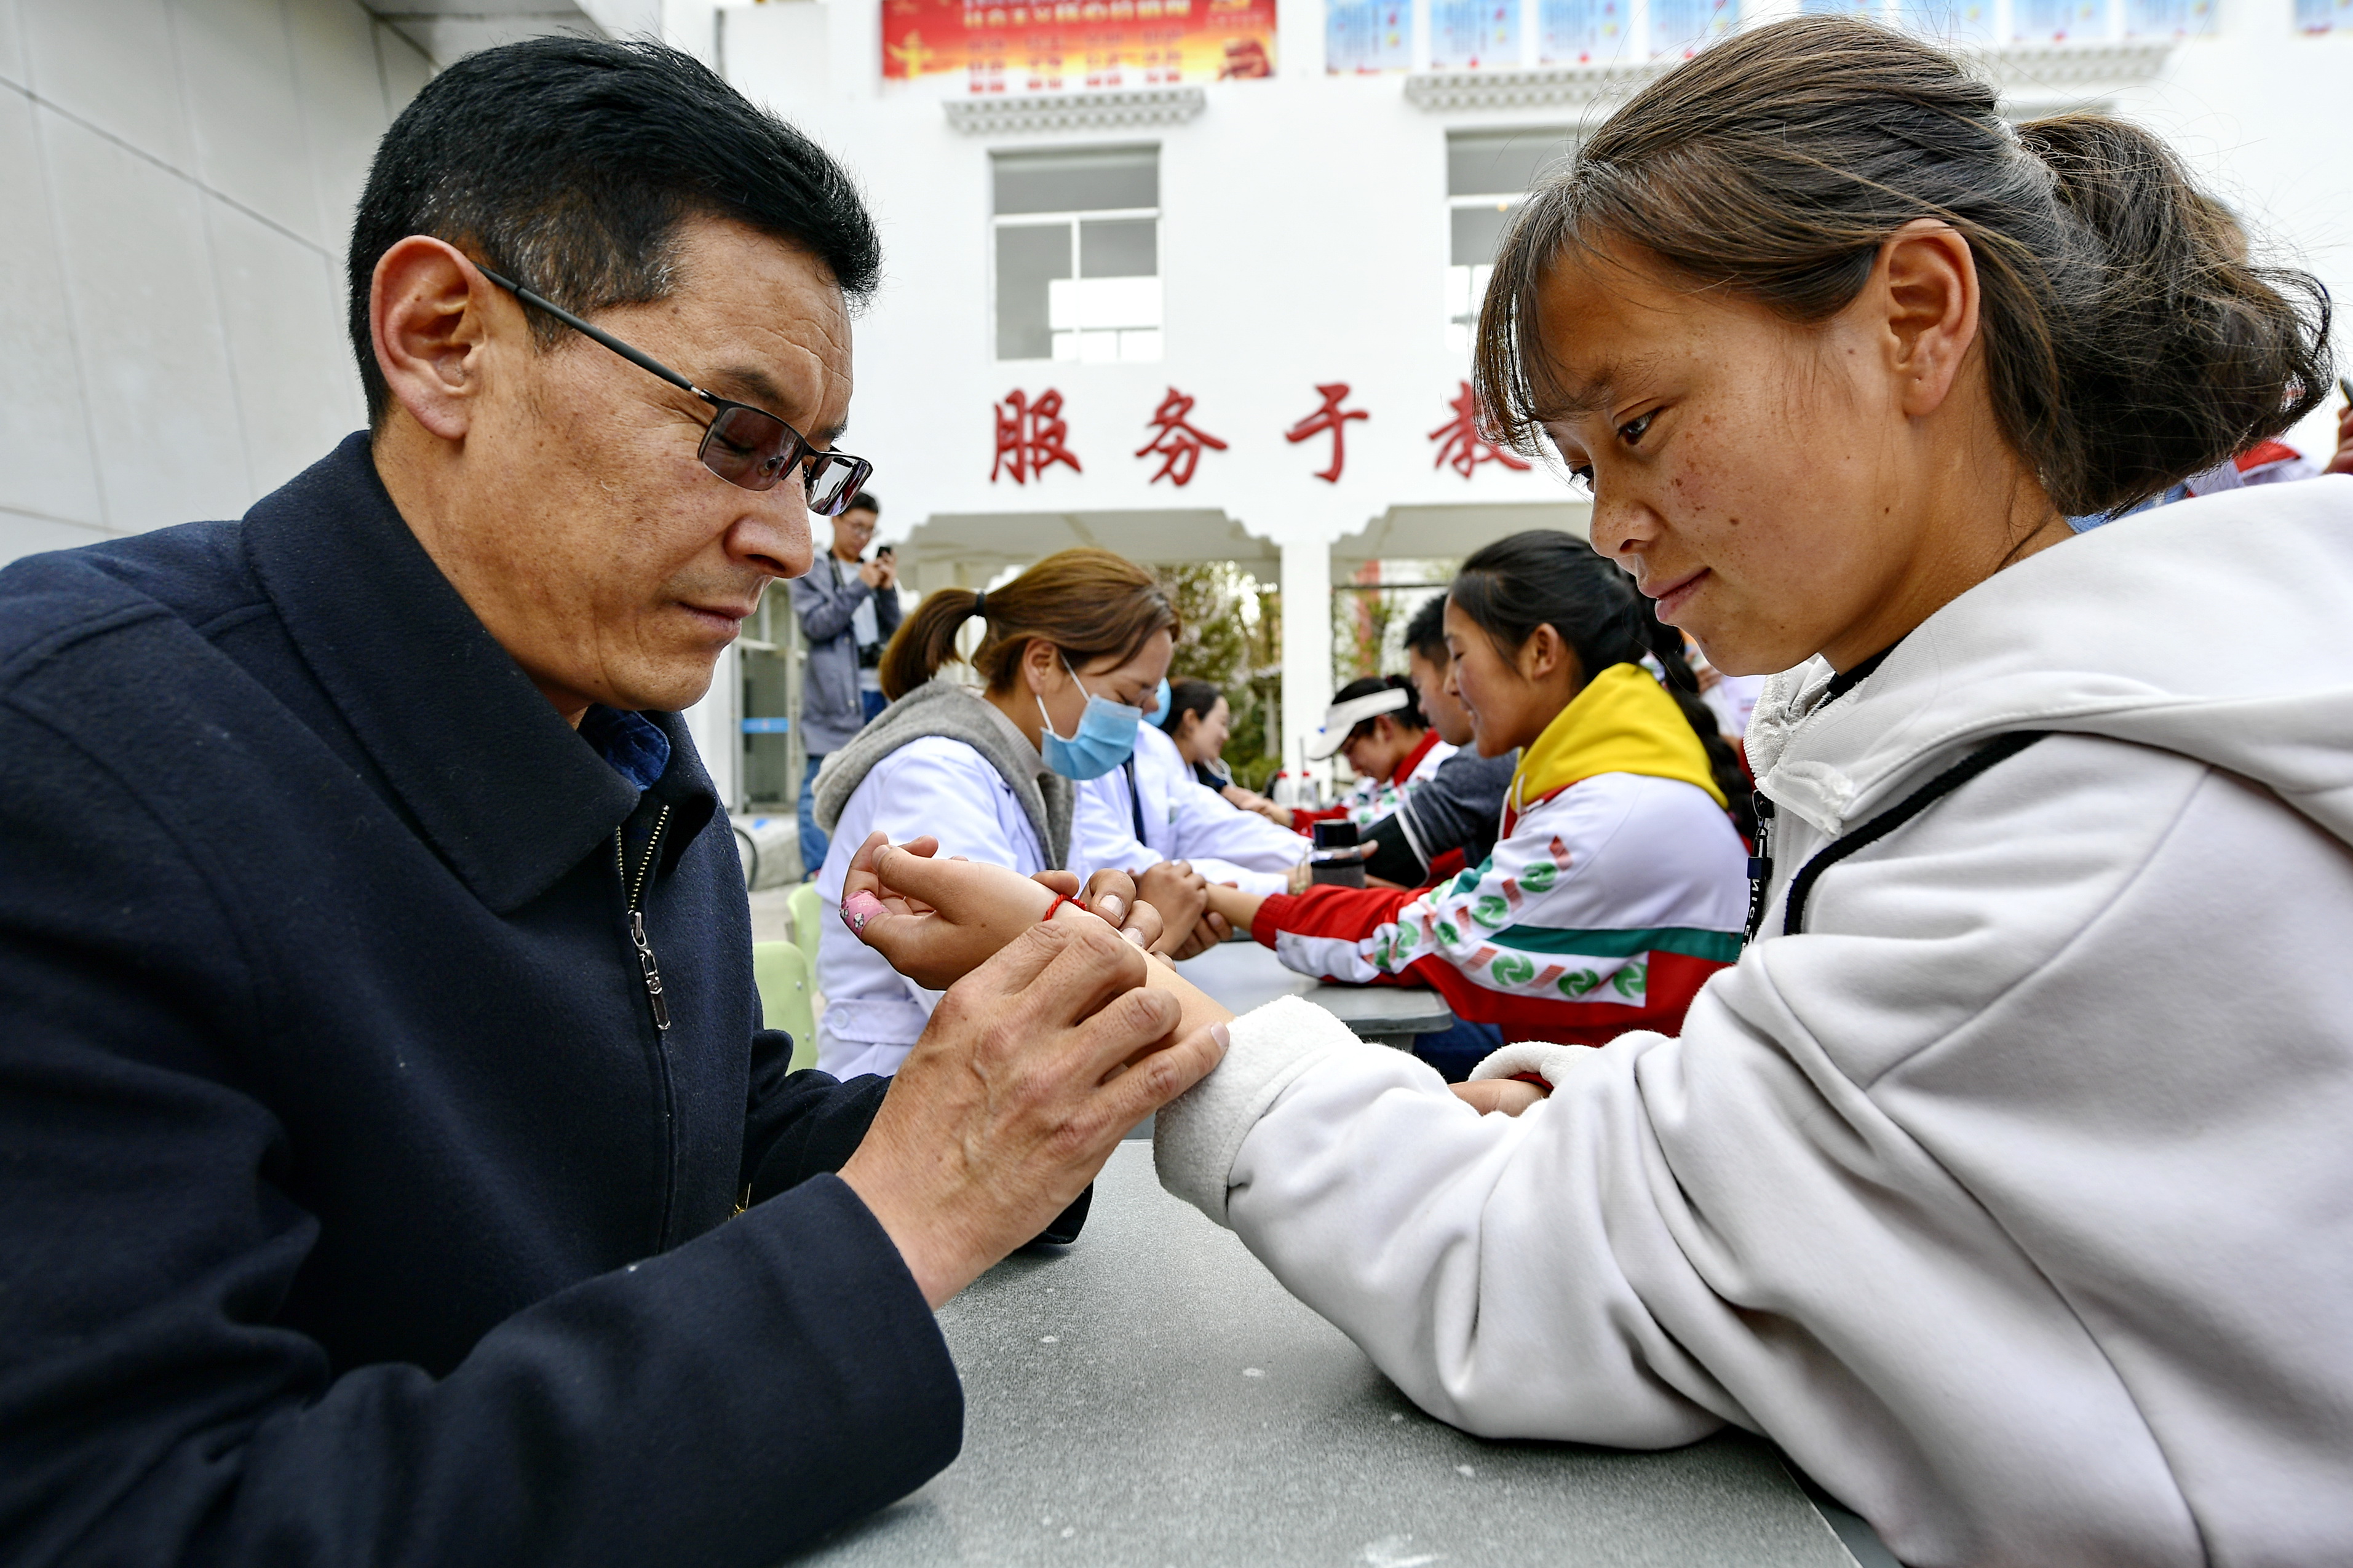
<point>2214,628</point>
<point>955,712</point>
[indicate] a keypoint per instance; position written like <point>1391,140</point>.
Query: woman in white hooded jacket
<point>2007,1179</point>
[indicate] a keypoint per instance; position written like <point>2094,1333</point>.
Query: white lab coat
<point>1183,820</point>
<point>873,1014</point>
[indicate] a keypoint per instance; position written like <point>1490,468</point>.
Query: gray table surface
<point>1242,975</point>
<point>1151,1396</point>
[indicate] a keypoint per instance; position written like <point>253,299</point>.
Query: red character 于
<point>1331,417</point>
<point>1459,445</point>
<point>1030,437</point>
<point>1177,444</point>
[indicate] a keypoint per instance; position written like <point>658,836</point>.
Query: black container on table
<point>1335,862</point>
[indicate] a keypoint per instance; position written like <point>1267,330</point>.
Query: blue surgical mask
<point>1160,701</point>
<point>1104,739</point>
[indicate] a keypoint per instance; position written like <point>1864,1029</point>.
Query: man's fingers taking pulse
<point>1110,893</point>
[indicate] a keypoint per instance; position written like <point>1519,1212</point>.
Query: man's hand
<point>937,920</point>
<point>1508,1095</point>
<point>872,573</point>
<point>1032,1069</point>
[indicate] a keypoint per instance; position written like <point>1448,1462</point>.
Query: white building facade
<point>1127,274</point>
<point>1072,269</point>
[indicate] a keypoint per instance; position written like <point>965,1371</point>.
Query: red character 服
<point>1030,437</point>
<point>1331,417</point>
<point>1460,446</point>
<point>1176,443</point>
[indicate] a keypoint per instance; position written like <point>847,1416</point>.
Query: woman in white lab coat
<point>1073,651</point>
<point>1151,810</point>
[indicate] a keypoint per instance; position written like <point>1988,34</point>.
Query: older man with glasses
<point>391,1162</point>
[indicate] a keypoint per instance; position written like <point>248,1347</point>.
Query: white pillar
<point>1306,641</point>
<point>717,728</point>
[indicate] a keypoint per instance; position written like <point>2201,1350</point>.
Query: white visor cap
<point>1342,717</point>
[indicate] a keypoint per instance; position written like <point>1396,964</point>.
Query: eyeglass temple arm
<point>642,359</point>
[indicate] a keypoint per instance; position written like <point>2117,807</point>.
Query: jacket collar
<point>1403,772</point>
<point>507,792</point>
<point>1623,722</point>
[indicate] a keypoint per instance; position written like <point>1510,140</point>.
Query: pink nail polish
<point>857,908</point>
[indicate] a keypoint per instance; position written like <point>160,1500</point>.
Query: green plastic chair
<point>807,909</point>
<point>783,976</point>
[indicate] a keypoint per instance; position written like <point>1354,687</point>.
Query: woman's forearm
<point>1199,1008</point>
<point>1238,908</point>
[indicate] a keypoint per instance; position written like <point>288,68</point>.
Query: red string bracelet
<point>1060,900</point>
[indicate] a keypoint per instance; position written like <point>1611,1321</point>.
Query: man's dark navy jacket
<point>352,1207</point>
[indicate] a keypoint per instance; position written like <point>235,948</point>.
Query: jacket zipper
<point>633,891</point>
<point>648,967</point>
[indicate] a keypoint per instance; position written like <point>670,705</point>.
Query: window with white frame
<point>1077,253</point>
<point>1488,175</point>
<point>1973,22</point>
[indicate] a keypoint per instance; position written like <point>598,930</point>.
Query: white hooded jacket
<point>2013,1195</point>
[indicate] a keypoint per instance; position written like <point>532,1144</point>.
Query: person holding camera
<point>848,606</point>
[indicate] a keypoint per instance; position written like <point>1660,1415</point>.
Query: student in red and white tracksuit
<point>1620,881</point>
<point>1377,723</point>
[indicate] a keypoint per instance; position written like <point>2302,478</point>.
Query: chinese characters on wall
<point>1056,45</point>
<point>1032,436</point>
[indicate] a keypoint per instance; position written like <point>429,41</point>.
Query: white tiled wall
<point>176,185</point>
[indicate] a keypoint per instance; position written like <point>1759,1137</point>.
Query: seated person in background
<point>1447,823</point>
<point>1375,723</point>
<point>1150,810</point>
<point>1197,718</point>
<point>1073,648</point>
<point>1620,881</point>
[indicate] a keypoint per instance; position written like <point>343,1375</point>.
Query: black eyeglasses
<point>745,446</point>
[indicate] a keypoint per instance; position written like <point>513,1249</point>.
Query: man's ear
<point>432,313</point>
<point>1925,285</point>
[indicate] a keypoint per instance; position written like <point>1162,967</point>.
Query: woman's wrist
<point>1198,1009</point>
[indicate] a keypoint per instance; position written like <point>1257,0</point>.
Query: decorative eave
<point>1032,114</point>
<point>2069,70</point>
<point>2030,73</point>
<point>1552,87</point>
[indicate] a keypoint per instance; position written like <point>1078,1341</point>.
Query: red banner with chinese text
<point>1066,45</point>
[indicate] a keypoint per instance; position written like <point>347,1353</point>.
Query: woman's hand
<point>936,921</point>
<point>1251,800</point>
<point>1181,895</point>
<point>1233,906</point>
<point>1510,1096</point>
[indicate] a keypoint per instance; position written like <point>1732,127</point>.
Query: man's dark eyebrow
<point>749,383</point>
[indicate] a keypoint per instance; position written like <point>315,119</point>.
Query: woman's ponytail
<point>925,640</point>
<point>1088,603</point>
<point>2174,351</point>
